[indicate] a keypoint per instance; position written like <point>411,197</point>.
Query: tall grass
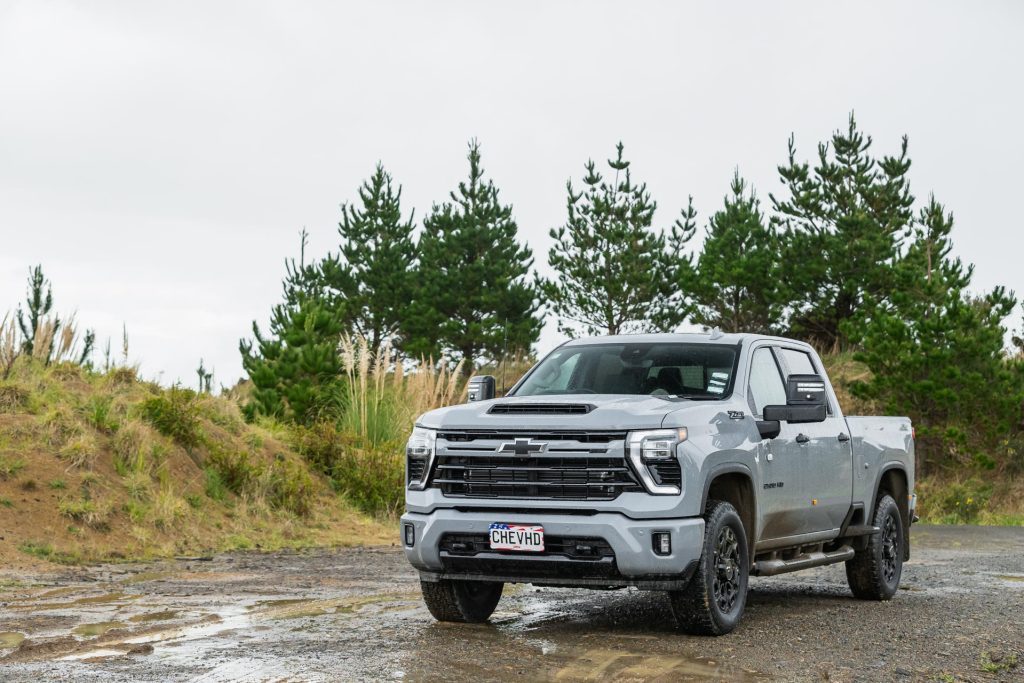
<point>383,397</point>
<point>362,450</point>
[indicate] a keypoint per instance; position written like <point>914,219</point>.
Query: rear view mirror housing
<point>805,401</point>
<point>481,388</point>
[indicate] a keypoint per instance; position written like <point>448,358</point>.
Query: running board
<point>805,561</point>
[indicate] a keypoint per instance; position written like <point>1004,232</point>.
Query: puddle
<point>97,629</point>
<point>298,608</point>
<point>142,577</point>
<point>166,615</point>
<point>10,639</point>
<point>615,665</point>
<point>90,600</point>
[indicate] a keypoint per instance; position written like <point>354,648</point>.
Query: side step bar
<point>805,561</point>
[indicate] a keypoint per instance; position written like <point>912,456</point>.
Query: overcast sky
<point>160,159</point>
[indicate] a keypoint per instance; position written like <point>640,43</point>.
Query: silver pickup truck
<point>674,462</point>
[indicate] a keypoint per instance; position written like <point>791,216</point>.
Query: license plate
<point>517,537</point>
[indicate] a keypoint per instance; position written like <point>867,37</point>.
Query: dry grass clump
<point>13,398</point>
<point>136,447</point>
<point>80,451</point>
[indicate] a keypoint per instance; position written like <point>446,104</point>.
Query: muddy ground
<point>356,615</point>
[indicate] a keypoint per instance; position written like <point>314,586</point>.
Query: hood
<point>569,412</point>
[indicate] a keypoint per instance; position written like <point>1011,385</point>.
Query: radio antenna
<point>504,356</point>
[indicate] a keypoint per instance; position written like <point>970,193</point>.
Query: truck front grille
<point>568,466</point>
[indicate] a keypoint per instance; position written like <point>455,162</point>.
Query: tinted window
<point>700,371</point>
<point>766,388</point>
<point>797,362</point>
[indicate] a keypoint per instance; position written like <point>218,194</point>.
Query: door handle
<point>802,438</point>
<point>843,436</point>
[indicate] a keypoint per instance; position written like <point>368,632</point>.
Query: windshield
<point>697,371</point>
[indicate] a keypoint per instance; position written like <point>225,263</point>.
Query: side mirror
<point>805,401</point>
<point>481,388</point>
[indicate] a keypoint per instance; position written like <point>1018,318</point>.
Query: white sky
<point>159,159</point>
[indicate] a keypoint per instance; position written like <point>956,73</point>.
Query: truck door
<point>781,461</point>
<point>824,452</point>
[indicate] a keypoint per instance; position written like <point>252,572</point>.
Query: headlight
<point>419,457</point>
<point>653,455</point>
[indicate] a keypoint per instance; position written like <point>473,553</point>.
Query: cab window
<point>766,388</point>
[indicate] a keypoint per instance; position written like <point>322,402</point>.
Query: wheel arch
<point>733,483</point>
<point>892,479</point>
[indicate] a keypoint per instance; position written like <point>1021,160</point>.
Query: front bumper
<point>635,563</point>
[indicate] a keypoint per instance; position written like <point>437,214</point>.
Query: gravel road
<point>355,614</point>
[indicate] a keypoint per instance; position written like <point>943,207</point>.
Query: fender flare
<point>741,469</point>
<point>727,468</point>
<point>888,467</point>
<point>899,467</point>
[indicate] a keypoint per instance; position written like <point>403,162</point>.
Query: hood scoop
<point>540,409</point>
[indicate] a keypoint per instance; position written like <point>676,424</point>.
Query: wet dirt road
<point>356,615</point>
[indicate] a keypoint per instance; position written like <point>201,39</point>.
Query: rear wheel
<point>466,601</point>
<point>874,573</point>
<point>713,603</point>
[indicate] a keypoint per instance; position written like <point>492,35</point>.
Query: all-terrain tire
<point>712,604</point>
<point>465,601</point>
<point>874,572</point>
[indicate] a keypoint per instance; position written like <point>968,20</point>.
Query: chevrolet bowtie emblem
<point>522,447</point>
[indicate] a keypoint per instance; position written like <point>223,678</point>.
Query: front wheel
<point>466,601</point>
<point>874,573</point>
<point>713,603</point>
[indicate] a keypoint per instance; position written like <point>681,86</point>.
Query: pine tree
<point>845,223</point>
<point>39,303</point>
<point>472,295</point>
<point>372,274</point>
<point>296,371</point>
<point>736,287</point>
<point>613,272</point>
<point>37,318</point>
<point>936,352</point>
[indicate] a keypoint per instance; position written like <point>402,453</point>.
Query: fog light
<point>662,542</point>
<point>410,535</point>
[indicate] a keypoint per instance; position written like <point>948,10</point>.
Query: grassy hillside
<point>105,466</point>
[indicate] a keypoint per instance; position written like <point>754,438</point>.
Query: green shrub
<point>213,485</point>
<point>372,478</point>
<point>290,487</point>
<point>175,414</point>
<point>954,502</point>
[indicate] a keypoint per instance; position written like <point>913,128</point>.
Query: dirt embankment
<point>103,466</point>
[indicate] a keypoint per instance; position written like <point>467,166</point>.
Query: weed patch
<point>9,467</point>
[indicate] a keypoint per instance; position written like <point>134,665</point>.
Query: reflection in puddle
<point>97,629</point>
<point>615,665</point>
<point>1011,577</point>
<point>106,598</point>
<point>165,615</point>
<point>10,639</point>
